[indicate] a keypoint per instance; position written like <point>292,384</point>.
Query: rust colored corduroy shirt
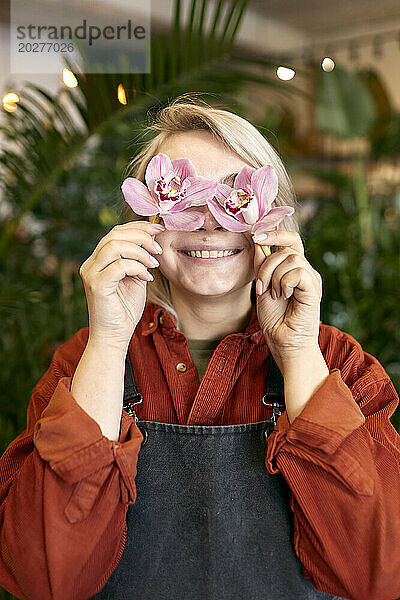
<point>65,488</point>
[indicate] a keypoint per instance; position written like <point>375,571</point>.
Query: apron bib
<point>209,521</point>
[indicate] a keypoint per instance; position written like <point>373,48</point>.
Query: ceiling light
<point>328,64</point>
<point>69,78</point>
<point>285,73</point>
<point>10,101</point>
<point>121,94</point>
<point>10,97</point>
<point>9,107</point>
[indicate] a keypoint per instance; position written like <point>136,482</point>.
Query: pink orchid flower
<point>172,186</point>
<point>247,206</point>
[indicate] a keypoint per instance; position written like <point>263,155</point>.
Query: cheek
<point>162,238</point>
<point>165,238</point>
<point>169,260</point>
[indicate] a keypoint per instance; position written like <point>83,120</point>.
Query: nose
<point>210,222</point>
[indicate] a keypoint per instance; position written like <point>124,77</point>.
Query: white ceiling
<point>321,17</point>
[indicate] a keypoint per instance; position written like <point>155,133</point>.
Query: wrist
<point>303,375</point>
<point>107,348</point>
<point>294,358</point>
<point>290,359</point>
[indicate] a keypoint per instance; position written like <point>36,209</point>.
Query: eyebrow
<point>228,179</point>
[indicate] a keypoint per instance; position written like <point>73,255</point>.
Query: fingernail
<point>157,247</point>
<point>259,287</point>
<point>158,226</point>
<point>261,238</point>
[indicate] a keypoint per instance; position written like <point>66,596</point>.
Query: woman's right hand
<point>114,277</point>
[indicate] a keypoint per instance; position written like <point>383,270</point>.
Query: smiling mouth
<point>209,259</point>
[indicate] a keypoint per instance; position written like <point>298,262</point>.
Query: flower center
<point>237,200</point>
<point>169,188</point>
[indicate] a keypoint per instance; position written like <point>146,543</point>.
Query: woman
<point>255,458</point>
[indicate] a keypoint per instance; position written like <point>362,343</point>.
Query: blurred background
<point>320,80</point>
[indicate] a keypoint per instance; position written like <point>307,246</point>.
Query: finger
<point>143,225</point>
<point>141,237</point>
<point>283,238</point>
<point>291,262</point>
<point>115,249</point>
<point>294,261</point>
<point>123,267</point>
<point>260,255</point>
<point>301,279</point>
<point>276,265</point>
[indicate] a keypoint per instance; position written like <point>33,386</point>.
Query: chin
<point>208,291</point>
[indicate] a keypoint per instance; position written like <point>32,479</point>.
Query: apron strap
<point>132,396</point>
<point>274,392</point>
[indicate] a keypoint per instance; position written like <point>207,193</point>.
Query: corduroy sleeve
<point>64,492</point>
<point>341,459</point>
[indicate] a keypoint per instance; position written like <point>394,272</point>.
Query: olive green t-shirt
<point>202,350</point>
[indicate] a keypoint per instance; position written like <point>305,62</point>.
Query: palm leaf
<point>45,139</point>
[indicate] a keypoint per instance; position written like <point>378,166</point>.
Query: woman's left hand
<point>290,326</point>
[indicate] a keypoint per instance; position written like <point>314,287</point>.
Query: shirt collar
<point>156,317</point>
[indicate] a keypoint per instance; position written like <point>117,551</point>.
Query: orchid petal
<point>224,219</point>
<point>264,183</point>
<point>167,206</point>
<point>197,193</point>
<point>243,179</point>
<point>250,213</point>
<point>275,216</point>
<point>138,197</point>
<point>159,166</point>
<point>184,220</point>
<point>183,167</point>
<point>222,192</point>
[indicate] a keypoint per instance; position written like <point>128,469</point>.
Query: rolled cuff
<point>72,443</point>
<point>327,419</point>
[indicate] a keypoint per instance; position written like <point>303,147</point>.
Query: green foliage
<point>384,111</point>
<point>388,144</point>
<point>63,177</point>
<point>356,249</point>
<point>354,237</point>
<point>66,183</point>
<point>44,140</point>
<point>346,106</point>
<point>61,181</point>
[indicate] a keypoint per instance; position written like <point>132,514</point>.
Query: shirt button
<point>162,319</point>
<point>181,367</point>
<point>151,324</point>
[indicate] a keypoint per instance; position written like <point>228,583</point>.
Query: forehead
<point>210,157</point>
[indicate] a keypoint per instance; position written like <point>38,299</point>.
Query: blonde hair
<point>237,134</point>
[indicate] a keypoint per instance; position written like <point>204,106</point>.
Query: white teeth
<point>209,253</point>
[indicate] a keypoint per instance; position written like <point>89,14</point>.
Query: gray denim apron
<point>209,521</point>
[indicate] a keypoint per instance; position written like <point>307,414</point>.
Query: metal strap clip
<point>276,408</point>
<point>130,404</point>
<point>129,408</point>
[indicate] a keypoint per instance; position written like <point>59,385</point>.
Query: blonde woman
<point>200,440</point>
